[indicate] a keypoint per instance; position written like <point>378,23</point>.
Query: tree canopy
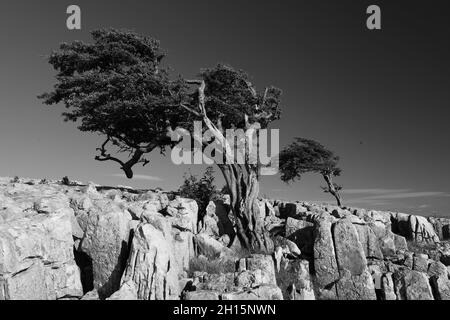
<point>305,155</point>
<point>118,87</point>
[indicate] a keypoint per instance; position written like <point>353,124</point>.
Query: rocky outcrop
<point>36,247</point>
<point>325,264</point>
<point>412,285</point>
<point>414,227</point>
<point>107,230</point>
<point>91,242</point>
<point>151,265</point>
<point>294,280</point>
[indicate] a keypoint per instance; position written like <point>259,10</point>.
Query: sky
<point>378,98</point>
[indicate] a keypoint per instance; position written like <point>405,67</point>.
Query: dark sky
<point>380,99</point>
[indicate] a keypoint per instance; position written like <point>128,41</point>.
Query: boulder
<point>412,285</point>
<point>265,263</point>
<point>439,280</point>
<point>355,287</point>
<point>441,287</point>
<point>210,247</point>
<point>91,295</point>
<point>400,243</point>
<point>325,265</point>
<point>420,262</point>
<point>349,251</point>
<point>294,280</point>
<point>127,291</point>
<point>416,228</point>
<point>369,241</point>
<point>184,214</point>
<point>437,269</point>
<point>301,233</point>
<point>36,256</point>
<point>387,287</point>
<point>151,265</point>
<point>106,235</point>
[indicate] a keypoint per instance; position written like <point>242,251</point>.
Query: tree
<point>201,190</point>
<point>303,156</point>
<point>226,99</point>
<point>118,87</point>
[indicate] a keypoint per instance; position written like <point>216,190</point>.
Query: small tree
<point>303,156</point>
<point>201,190</point>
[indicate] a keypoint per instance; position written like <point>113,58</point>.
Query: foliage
<point>65,181</point>
<point>116,86</point>
<point>305,155</point>
<point>201,190</point>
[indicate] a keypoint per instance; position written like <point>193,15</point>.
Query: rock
<point>249,279</point>
<point>349,251</point>
<point>151,265</point>
<point>264,292</point>
<point>325,265</point>
<point>416,228</point>
<point>91,295</point>
<point>387,287</point>
<point>209,226</point>
<point>202,295</point>
<point>409,260</point>
<point>293,210</point>
<point>261,262</point>
<point>355,287</point>
<point>400,243</point>
<point>369,241</point>
<point>437,269</point>
<point>184,214</point>
<point>183,247</point>
<point>36,255</point>
<point>445,255</point>
<point>221,282</point>
<point>210,247</point>
<point>105,242</point>
<point>127,291</point>
<point>157,200</point>
<point>439,280</point>
<point>441,287</point>
<point>294,280</point>
<point>301,233</point>
<point>422,230</point>
<point>420,262</point>
<point>441,226</point>
<point>412,285</point>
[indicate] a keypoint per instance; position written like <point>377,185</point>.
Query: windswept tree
<point>118,87</point>
<point>225,99</point>
<point>309,156</point>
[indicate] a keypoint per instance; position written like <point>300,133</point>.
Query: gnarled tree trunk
<point>243,184</point>
<point>332,189</point>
